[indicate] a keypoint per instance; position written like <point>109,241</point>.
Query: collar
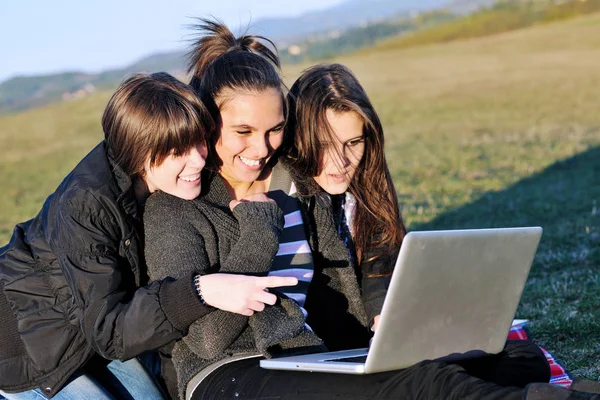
<point>124,183</point>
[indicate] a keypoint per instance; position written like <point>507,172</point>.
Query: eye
<point>243,132</point>
<point>355,142</point>
<point>276,131</point>
<point>176,153</point>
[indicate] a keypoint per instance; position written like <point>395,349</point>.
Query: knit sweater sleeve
<point>260,225</point>
<point>177,234</point>
<point>173,248</point>
<point>173,245</point>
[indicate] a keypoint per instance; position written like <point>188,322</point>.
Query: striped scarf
<point>294,257</point>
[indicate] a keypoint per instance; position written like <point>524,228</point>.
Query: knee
<point>523,348</point>
<point>531,357</point>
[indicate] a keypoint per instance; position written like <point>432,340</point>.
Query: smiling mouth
<point>250,162</point>
<point>190,178</point>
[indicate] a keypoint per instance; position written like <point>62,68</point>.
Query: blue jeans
<point>117,380</point>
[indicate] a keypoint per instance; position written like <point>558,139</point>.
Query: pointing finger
<point>276,281</point>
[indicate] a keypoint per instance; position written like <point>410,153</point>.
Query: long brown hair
<point>377,219</point>
<point>153,115</point>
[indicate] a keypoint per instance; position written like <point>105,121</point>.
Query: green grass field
<point>498,131</point>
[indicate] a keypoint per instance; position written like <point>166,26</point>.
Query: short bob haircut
<point>150,117</point>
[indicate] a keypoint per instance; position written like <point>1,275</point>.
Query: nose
<point>340,158</point>
<point>260,145</point>
<point>197,156</point>
<point>346,159</point>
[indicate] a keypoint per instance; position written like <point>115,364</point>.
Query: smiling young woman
<point>75,289</point>
<point>238,79</point>
<point>231,233</point>
<point>178,175</point>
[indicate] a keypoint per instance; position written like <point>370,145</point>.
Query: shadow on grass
<point>564,194</point>
<point>562,296</point>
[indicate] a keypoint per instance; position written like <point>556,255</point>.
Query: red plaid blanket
<point>559,375</point>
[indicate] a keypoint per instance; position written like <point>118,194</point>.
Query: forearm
<point>374,290</point>
<point>151,318</point>
<point>118,319</point>
<point>122,323</point>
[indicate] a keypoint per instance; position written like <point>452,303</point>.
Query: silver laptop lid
<point>452,292</point>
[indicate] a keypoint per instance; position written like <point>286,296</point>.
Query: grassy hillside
<point>499,131</point>
<point>39,147</point>
<point>503,16</point>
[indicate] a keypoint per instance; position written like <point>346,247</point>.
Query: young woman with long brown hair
<point>336,156</point>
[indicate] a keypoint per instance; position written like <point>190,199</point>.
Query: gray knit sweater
<point>205,236</point>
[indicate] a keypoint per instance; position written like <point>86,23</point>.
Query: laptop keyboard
<point>359,359</point>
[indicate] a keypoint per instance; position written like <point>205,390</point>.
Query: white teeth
<point>191,178</point>
<point>250,162</point>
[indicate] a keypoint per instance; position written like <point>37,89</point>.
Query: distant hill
<point>334,43</point>
<point>467,6</point>
<point>41,85</point>
<point>355,23</point>
<point>24,92</point>
<point>350,13</point>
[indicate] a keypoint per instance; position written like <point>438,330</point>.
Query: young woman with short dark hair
<point>75,288</point>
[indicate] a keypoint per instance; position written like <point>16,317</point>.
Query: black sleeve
<point>117,323</point>
<point>376,266</point>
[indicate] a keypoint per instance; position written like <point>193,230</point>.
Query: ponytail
<point>218,60</point>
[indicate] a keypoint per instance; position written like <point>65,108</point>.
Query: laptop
<point>453,295</point>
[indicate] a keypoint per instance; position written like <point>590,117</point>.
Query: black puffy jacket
<point>74,283</point>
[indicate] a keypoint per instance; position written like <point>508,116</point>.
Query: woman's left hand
<point>260,197</point>
<point>375,322</point>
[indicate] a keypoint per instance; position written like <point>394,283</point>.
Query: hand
<point>241,294</point>
<point>375,322</point>
<point>262,197</point>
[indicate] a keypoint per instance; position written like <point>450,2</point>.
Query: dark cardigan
<point>204,235</point>
<point>342,299</point>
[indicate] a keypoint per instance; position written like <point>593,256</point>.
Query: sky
<point>42,37</point>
